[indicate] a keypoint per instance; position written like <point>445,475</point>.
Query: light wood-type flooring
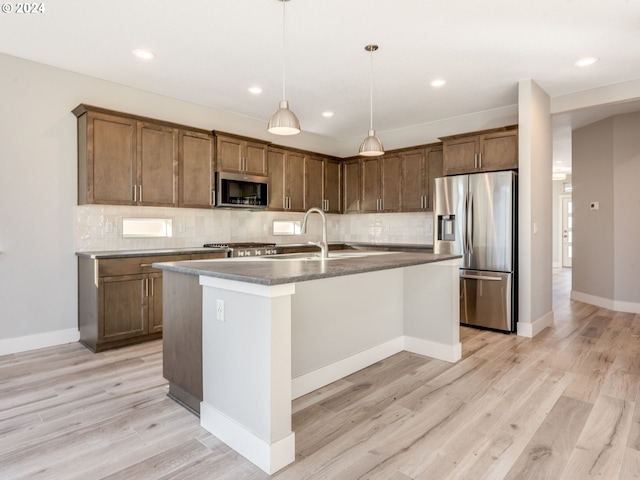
<point>563,405</point>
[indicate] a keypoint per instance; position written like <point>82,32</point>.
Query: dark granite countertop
<point>361,246</point>
<point>149,253</point>
<point>269,271</point>
<point>297,246</point>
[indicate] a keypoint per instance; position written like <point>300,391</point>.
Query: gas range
<point>246,249</point>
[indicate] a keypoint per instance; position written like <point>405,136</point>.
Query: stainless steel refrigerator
<point>475,216</point>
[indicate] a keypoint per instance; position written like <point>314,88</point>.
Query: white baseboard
<point>448,353</point>
<point>532,329</point>
<point>617,305</point>
<point>39,340</point>
<point>324,376</point>
<point>268,457</point>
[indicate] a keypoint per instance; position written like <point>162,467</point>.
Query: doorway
<point>567,230</point>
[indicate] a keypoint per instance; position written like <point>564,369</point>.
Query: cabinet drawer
<point>134,265</point>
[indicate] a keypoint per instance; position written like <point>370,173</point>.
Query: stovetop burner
<point>246,249</point>
<point>239,245</point>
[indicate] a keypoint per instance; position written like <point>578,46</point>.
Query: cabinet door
<point>313,183</point>
<point>390,188</point>
<point>499,151</point>
<point>413,181</point>
<point>123,307</point>
<point>276,160</point>
<point>110,159</point>
<point>229,154</point>
<point>157,165</point>
<point>435,170</point>
<point>352,190</point>
<point>332,185</point>
<point>195,158</point>
<point>460,155</point>
<point>155,303</point>
<point>371,180</point>
<point>294,168</point>
<point>255,155</point>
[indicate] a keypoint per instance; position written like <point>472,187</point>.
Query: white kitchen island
<point>275,329</point>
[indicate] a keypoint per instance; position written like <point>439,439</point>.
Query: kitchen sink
<point>333,255</point>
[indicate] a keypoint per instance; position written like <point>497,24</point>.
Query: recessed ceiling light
<point>327,114</point>
<point>255,90</point>
<point>586,61</point>
<point>438,82</point>
<point>144,54</point>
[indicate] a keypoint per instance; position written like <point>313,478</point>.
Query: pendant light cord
<point>371,92</point>
<point>284,48</point>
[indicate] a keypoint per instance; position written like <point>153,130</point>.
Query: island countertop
<point>270,271</point>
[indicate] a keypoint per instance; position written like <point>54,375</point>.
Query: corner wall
<point>535,215</point>
<point>606,169</point>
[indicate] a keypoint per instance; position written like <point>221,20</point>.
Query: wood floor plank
<point>548,451</point>
<point>630,468</point>
<point>602,443</point>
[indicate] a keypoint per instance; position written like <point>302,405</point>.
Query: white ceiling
<point>210,53</point>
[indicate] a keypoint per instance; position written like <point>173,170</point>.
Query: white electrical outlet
<point>220,310</point>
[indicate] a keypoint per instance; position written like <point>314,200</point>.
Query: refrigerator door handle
<point>481,277</point>
<point>466,222</point>
<point>470,225</point>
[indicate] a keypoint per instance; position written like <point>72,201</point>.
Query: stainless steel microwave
<point>242,191</point>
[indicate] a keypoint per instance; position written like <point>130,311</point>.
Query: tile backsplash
<point>99,227</point>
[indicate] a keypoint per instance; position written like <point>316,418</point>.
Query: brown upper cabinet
<point>484,151</point>
<point>420,168</point>
<point>331,186</point>
<point>286,180</point>
<point>195,152</point>
<point>128,160</point>
<point>157,165</point>
<point>240,155</point>
<point>322,184</point>
<point>351,182</point>
<point>381,177</point>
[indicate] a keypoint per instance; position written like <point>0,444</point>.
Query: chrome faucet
<point>323,244</point>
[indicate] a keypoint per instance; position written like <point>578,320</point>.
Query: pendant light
<point>283,121</point>
<point>372,146</point>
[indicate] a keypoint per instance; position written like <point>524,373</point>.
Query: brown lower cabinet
<point>182,338</point>
<point>120,299</point>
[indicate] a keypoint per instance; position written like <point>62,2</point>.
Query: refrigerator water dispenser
<point>446,228</point>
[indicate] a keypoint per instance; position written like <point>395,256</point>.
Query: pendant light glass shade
<point>371,146</point>
<point>283,121</point>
